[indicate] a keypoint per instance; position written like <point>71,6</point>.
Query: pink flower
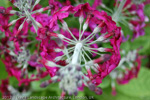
<point>4,89</point>
<point>136,11</point>
<point>4,16</point>
<point>97,3</point>
<point>72,45</point>
<point>81,9</point>
<point>112,61</point>
<point>48,49</point>
<point>54,6</point>
<point>18,73</point>
<point>147,2</point>
<point>60,14</point>
<point>34,61</point>
<point>51,70</point>
<point>130,73</point>
<point>102,16</point>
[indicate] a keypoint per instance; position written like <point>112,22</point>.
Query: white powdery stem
<point>103,5</point>
<point>65,26</point>
<point>58,50</point>
<point>146,19</point>
<point>13,11</point>
<point>93,67</point>
<point>12,54</point>
<point>66,52</point>
<point>101,38</point>
<point>58,58</point>
<point>21,26</point>
<point>101,49</point>
<point>61,36</point>
<point>116,15</point>
<point>50,63</point>
<point>123,67</point>
<point>12,90</point>
<point>95,31</point>
<point>37,1</point>
<point>14,21</point>
<point>131,26</point>
<point>76,54</point>
<point>122,61</point>
<point>25,66</point>
<point>113,74</point>
<point>90,63</point>
<point>34,22</point>
<point>130,64</point>
<point>39,11</point>
<point>87,67</point>
<point>113,84</point>
<point>133,57</point>
<point>81,18</point>
<point>120,75</point>
<point>85,25</point>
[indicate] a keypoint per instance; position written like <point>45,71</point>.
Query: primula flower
<point>35,61</point>
<point>97,3</point>
<point>77,52</point>
<point>138,29</point>
<point>17,66</point>
<point>127,69</point>
<point>4,89</point>
<point>132,11</point>
<point>4,16</point>
<point>9,92</point>
<point>26,10</point>
<point>54,5</point>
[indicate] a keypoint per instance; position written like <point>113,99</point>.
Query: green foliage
<point>138,87</point>
<point>108,96</point>
<point>105,82</point>
<point>147,9</point>
<point>4,3</point>
<point>44,3</point>
<point>142,42</point>
<point>3,73</point>
<point>89,1</point>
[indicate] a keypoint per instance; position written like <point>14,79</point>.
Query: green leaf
<point>4,3</point>
<point>108,96</point>
<point>137,87</point>
<point>90,2</point>
<point>142,41</point>
<point>3,73</point>
<point>51,87</point>
<point>13,81</point>
<point>44,3</point>
<point>105,82</point>
<point>147,9</point>
<point>125,46</point>
<point>72,22</point>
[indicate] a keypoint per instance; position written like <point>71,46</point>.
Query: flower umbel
<point>78,51</point>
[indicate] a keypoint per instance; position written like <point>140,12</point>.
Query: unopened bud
<point>44,84</point>
<point>98,91</point>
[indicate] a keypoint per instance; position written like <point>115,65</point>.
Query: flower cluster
<point>127,69</point>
